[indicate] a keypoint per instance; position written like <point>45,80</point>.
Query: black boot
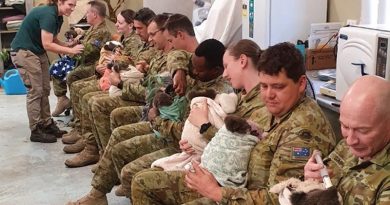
<point>54,130</point>
<point>38,135</point>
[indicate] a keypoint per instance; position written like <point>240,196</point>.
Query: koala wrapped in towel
<point>296,192</point>
<point>227,155</point>
<point>218,108</point>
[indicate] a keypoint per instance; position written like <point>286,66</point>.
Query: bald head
<point>365,116</point>
<point>370,93</point>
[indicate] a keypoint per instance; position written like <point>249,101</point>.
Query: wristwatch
<point>204,127</point>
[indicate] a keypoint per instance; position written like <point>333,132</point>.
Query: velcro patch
<point>300,152</point>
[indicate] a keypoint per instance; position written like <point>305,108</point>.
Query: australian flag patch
<point>300,152</point>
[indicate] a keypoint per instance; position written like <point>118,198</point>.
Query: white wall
<point>184,7</point>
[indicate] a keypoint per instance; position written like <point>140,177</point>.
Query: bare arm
<point>50,43</point>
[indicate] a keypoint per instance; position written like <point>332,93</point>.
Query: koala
<point>162,99</point>
<point>237,124</point>
<point>309,192</point>
<point>210,93</point>
<point>112,45</point>
<point>71,34</point>
<point>316,197</point>
<point>240,125</point>
<point>74,33</point>
<point>117,66</point>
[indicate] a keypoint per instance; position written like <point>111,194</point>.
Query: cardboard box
<point>317,59</point>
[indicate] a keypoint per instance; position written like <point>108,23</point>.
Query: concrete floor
<point>34,173</point>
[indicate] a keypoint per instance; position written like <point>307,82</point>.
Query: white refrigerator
<point>269,22</point>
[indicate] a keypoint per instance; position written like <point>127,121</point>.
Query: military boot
<point>72,137</point>
<point>89,155</point>
<point>63,103</point>
<point>38,135</point>
<point>94,197</point>
<point>75,148</point>
<point>53,129</point>
<point>121,191</point>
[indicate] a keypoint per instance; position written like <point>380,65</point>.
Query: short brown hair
<point>100,7</point>
<point>179,22</point>
<point>282,56</point>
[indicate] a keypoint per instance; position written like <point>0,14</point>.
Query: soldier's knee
<point>116,151</point>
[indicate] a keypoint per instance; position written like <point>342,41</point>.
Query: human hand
<point>153,113</point>
<point>312,169</point>
<point>186,147</point>
<point>203,182</point>
<point>199,114</point>
<point>77,49</point>
<point>142,66</point>
<point>180,82</point>
<point>115,78</point>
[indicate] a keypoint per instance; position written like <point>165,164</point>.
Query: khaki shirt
<point>137,92</point>
<point>284,152</point>
<point>179,60</point>
<point>361,182</point>
<point>93,41</point>
<point>132,45</point>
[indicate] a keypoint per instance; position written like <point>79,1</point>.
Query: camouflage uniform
<point>246,106</point>
<point>281,155</point>
<point>106,176</point>
<point>132,95</point>
<point>96,36</point>
<point>361,182</point>
<point>132,44</point>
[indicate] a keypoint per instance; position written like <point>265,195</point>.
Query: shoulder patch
<point>300,152</point>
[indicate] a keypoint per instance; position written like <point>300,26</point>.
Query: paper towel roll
<point>383,12</point>
<point>369,12</point>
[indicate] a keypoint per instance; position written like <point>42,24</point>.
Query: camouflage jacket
<point>146,53</point>
<point>132,45</point>
<point>179,60</point>
<point>247,104</point>
<point>137,92</point>
<point>361,182</point>
<point>284,152</point>
<point>172,129</point>
<point>93,41</point>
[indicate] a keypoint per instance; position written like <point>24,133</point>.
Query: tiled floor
<point>34,173</point>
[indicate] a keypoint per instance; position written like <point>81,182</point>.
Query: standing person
<point>37,35</point>
<point>93,41</point>
<point>360,163</point>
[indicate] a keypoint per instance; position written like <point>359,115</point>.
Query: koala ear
<point>210,93</point>
<point>237,124</point>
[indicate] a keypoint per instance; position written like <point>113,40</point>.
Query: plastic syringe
<point>323,171</point>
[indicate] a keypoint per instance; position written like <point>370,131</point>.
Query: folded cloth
<point>12,18</point>
<point>14,25</point>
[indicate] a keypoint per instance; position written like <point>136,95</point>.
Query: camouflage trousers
<point>101,109</point>
<point>78,89</point>
<point>80,72</point>
<point>86,115</point>
<point>106,176</point>
<point>154,186</point>
<point>138,153</point>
